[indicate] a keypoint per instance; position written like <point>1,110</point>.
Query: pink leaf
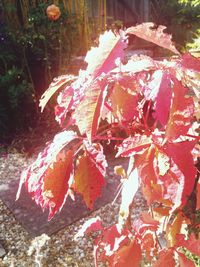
<point>165,258</point>
<point>111,239</point>
<point>144,223</point>
<point>152,87</point>
<point>101,59</point>
<point>159,90</point>
<point>54,86</point>
<point>65,101</point>
<point>192,244</point>
<point>184,261</point>
<point>181,112</point>
<point>149,32</point>
<point>127,255</point>
<point>87,114</point>
<point>189,62</point>
<point>180,153</point>
<point>41,176</point>
<point>198,196</point>
<point>134,145</point>
<point>95,151</point>
<point>148,246</point>
<point>91,225</point>
<point>167,177</point>
<point>173,183</point>
<point>148,173</point>
<point>124,104</point>
<point>163,100</point>
<point>147,219</point>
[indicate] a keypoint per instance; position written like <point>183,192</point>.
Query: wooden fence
<point>129,12</point>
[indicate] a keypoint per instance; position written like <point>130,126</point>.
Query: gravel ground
<point>60,249</point>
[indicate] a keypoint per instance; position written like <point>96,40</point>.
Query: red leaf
<point>109,242</point>
<point>87,114</point>
<point>180,152</point>
<point>189,62</point>
<point>148,246</point>
<point>130,82</point>
<point>151,88</point>
<point>91,225</point>
<point>148,32</point>
<point>88,180</point>
<point>124,104</point>
<point>144,223</point>
<point>165,258</point>
<point>134,145</point>
<point>159,89</point>
<point>65,101</point>
<point>163,100</point>
<point>198,196</point>
<point>101,59</point>
<point>147,219</point>
<point>184,261</point>
<point>53,87</point>
<point>168,179</point>
<point>95,151</point>
<point>55,187</point>
<point>38,172</point>
<point>152,190</point>
<point>173,229</point>
<point>127,256</point>
<point>192,244</point>
<point>181,112</point>
<point>110,236</point>
<point>173,183</point>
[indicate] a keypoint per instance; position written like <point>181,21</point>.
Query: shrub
<point>154,103</point>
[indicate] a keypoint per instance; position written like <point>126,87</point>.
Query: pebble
<point>2,251</point>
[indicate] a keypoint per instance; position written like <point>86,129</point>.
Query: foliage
<point>152,101</point>
<point>181,11</point>
<point>195,45</point>
<point>180,16</point>
<point>193,3</point>
<point>15,95</point>
<point>28,39</point>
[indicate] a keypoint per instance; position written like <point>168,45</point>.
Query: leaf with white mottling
<point>96,154</point>
<point>149,32</point>
<point>101,59</point>
<point>129,188</point>
<point>91,225</point>
<point>189,62</point>
<point>123,103</point>
<point>140,65</point>
<point>53,87</point>
<point>41,174</point>
<point>87,114</point>
<point>181,112</point>
<point>134,145</point>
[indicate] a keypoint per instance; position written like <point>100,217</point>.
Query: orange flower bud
<point>53,12</point>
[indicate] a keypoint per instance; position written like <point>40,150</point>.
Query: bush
<point>33,50</point>
<point>153,102</point>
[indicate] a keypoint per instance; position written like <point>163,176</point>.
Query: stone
<point>2,251</point>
